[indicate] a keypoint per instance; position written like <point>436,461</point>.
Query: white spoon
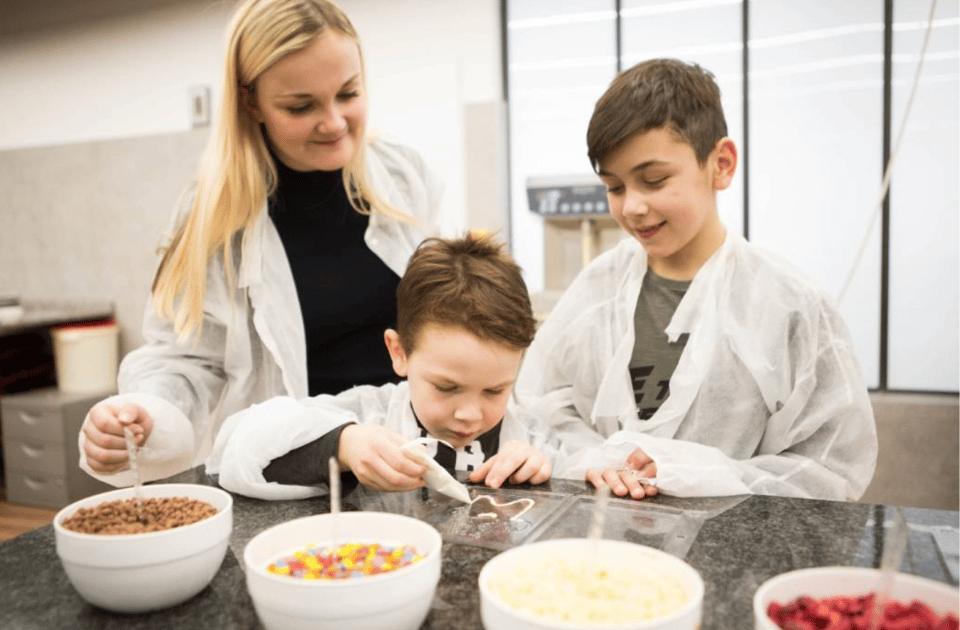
<point>334,501</point>
<point>132,452</point>
<point>894,547</point>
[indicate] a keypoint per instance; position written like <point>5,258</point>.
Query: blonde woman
<point>281,274</point>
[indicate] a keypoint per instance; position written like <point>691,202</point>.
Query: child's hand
<point>641,463</point>
<point>106,445</point>
<point>627,479</point>
<point>517,460</point>
<point>374,455</point>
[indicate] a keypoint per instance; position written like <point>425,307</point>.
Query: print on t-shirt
<point>654,358</point>
<point>654,391</point>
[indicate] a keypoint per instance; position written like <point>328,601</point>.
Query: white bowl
<point>497,615</point>
<point>133,573</point>
<point>831,581</point>
<point>395,600</point>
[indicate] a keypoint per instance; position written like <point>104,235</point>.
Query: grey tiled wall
<point>82,221</point>
<point>918,464</point>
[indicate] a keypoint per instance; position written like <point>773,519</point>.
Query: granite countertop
<point>41,314</point>
<point>736,543</point>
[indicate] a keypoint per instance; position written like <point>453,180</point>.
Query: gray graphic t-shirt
<point>654,358</point>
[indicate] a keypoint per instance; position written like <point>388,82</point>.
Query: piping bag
<point>436,477</point>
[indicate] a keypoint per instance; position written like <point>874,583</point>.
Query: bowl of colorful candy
<point>131,556</point>
<point>844,597</point>
<point>350,571</point>
<point>582,584</point>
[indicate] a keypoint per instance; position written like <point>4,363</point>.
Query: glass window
<point>816,141</point>
<point>924,299</point>
<point>816,116</point>
<point>706,32</point>
<point>562,56</point>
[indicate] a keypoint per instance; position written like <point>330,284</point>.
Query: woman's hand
<point>375,456</point>
<point>106,445</point>
<point>517,460</point>
<point>628,479</point>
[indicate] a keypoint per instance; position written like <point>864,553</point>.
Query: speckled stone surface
<point>741,542</point>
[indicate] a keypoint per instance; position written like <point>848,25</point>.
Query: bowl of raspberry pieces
<point>130,553</point>
<point>845,598</point>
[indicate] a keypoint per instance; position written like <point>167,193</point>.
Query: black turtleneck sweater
<point>347,294</point>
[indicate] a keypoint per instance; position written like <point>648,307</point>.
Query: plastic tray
<point>666,528</point>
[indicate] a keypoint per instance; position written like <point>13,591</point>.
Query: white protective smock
<point>249,440</point>
<point>251,346</point>
<point>767,397</point>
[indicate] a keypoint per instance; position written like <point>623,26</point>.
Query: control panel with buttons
<point>567,196</point>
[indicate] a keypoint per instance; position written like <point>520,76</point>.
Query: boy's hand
<point>627,479</point>
<point>106,445</point>
<point>374,455</point>
<point>517,460</point>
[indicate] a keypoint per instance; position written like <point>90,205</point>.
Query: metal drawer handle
<point>31,452</point>
<point>34,485</point>
<point>29,418</point>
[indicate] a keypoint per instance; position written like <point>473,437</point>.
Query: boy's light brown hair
<point>466,282</point>
<point>658,93</point>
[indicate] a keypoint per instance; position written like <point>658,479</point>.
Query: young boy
<point>686,359</point>
<point>463,322</point>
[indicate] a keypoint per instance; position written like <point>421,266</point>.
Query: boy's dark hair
<point>657,93</point>
<point>467,282</point>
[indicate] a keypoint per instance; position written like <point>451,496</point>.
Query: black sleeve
<point>309,465</point>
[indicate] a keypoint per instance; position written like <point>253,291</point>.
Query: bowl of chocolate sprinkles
<point>130,516</point>
<point>132,554</point>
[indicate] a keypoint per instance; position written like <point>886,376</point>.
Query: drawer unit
<point>32,424</point>
<point>38,490</point>
<point>35,456</point>
<point>40,453</point>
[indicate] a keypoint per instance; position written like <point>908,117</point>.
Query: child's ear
<point>397,356</point>
<point>725,163</point>
<point>249,100</point>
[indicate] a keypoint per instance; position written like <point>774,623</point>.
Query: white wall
<point>107,78</point>
<point>121,76</point>
<point>427,60</point>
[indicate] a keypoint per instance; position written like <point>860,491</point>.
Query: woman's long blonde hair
<point>237,173</point>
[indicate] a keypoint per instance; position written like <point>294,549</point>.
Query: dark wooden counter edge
<point>46,314</point>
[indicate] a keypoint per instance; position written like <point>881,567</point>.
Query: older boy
<point>685,358</point>
<point>463,322</point>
